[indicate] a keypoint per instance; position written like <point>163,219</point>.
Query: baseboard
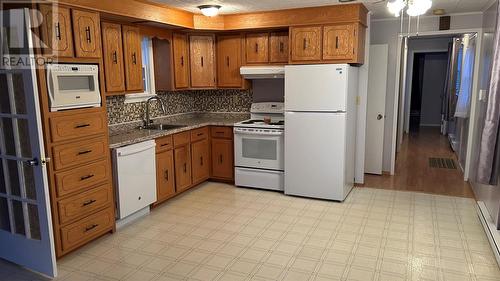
<point>135,216</point>
<point>489,226</point>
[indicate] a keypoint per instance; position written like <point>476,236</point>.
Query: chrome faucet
<point>147,117</point>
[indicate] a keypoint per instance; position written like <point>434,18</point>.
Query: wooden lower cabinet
<point>182,160</point>
<point>165,183</point>
<point>200,160</point>
<point>222,159</point>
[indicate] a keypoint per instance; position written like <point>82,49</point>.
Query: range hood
<point>262,72</point>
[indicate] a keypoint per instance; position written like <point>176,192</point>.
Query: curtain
<point>489,137</point>
<point>464,95</point>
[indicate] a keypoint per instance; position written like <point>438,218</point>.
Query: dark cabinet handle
<point>201,161</point>
<point>305,44</point>
<point>200,134</point>
<point>87,34</point>
<point>90,202</point>
<point>58,31</point>
<point>182,60</point>
<point>134,58</point>
<point>84,152</point>
<point>201,61</point>
<point>115,57</point>
<point>89,228</point>
<point>87,177</point>
<point>166,175</point>
<point>227,61</point>
<point>282,47</point>
<point>185,168</point>
<point>256,47</point>
<point>82,126</point>
<point>336,42</point>
<point>220,159</point>
<point>165,144</point>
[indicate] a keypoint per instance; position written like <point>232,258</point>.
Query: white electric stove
<point>259,147</point>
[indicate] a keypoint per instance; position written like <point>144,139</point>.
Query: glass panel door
<point>26,236</point>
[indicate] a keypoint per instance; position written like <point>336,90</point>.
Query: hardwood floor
<point>413,172</point>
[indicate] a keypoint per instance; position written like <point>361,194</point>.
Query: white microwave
<point>73,86</point>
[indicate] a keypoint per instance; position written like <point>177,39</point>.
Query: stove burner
<point>255,121</point>
<point>278,123</point>
<point>252,122</point>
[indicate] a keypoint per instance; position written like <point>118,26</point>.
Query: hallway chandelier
<point>414,8</point>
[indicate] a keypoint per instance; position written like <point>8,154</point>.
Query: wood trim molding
<point>149,11</point>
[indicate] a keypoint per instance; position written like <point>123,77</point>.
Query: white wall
<point>386,32</point>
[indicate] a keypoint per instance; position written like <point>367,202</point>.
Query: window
<point>148,79</point>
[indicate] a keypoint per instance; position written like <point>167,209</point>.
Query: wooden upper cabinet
<point>113,57</point>
<point>338,42</point>
<point>202,61</point>
<point>181,60</point>
<point>163,64</point>
<point>278,47</point>
<point>132,58</point>
<point>56,31</point>
<point>87,34</point>
<point>306,43</point>
<point>229,61</point>
<point>165,184</point>
<point>257,48</point>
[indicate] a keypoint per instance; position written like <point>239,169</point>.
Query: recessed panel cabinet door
<point>222,159</point>
<point>229,61</point>
<point>278,50</point>
<point>306,43</point>
<point>338,42</point>
<point>182,157</point>
<point>200,161</point>
<point>257,48</point>
<point>133,58</point>
<point>113,57</point>
<point>56,31</point>
<point>181,60</point>
<point>165,175</point>
<point>202,61</point>
<point>87,34</point>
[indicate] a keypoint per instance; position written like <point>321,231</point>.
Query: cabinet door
<point>165,184</point>
<point>278,51</point>
<point>229,61</point>
<point>306,43</point>
<point>200,161</point>
<point>222,159</point>
<point>181,60</point>
<point>56,31</point>
<point>113,57</point>
<point>257,48</point>
<point>133,58</point>
<point>202,61</point>
<point>338,42</point>
<point>87,34</point>
<point>182,158</point>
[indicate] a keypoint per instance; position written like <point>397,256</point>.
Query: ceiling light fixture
<point>209,10</point>
<point>414,8</point>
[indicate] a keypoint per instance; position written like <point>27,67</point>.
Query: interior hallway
<point>413,172</point>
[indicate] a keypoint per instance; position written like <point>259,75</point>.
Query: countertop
<point>129,133</point>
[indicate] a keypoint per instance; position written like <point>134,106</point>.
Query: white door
<point>377,87</point>
<point>320,87</point>
<point>26,236</point>
<point>315,147</point>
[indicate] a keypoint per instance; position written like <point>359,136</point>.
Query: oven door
<point>259,148</point>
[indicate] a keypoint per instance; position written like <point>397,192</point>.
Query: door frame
<point>399,115</point>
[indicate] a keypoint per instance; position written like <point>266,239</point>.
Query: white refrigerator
<point>320,130</point>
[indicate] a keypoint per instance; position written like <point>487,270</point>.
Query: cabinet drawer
<point>181,139</point>
<point>81,178</point>
<point>164,144</point>
<point>83,204</point>
<point>221,132</point>
<point>86,229</point>
<point>77,153</point>
<point>75,126</point>
<point>199,134</point>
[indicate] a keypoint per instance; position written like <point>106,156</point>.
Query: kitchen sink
<point>162,126</point>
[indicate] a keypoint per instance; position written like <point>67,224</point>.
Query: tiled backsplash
<point>180,102</point>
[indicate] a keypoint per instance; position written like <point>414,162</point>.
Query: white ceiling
<point>378,7</point>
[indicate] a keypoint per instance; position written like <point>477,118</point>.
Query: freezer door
<point>316,87</point>
<point>315,147</point>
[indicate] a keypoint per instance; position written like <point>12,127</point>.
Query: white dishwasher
<point>135,177</point>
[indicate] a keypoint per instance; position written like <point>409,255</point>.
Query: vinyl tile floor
<point>220,232</point>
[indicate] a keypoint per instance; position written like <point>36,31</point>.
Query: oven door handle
<point>241,132</point>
